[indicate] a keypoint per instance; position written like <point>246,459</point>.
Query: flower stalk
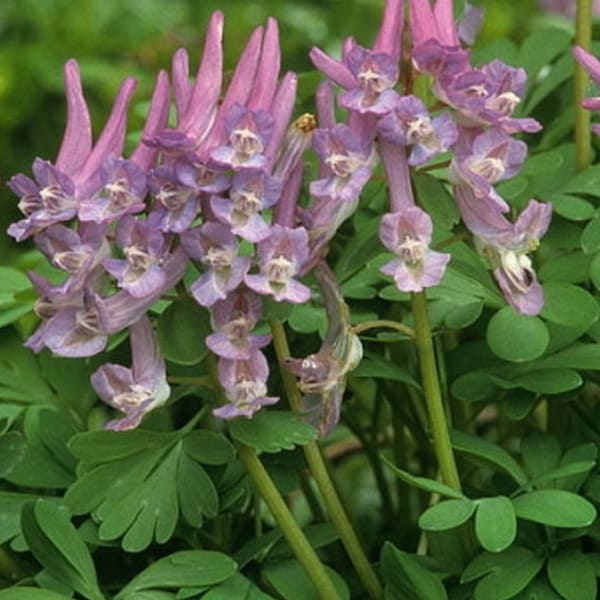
<point>583,39</point>
<point>318,469</point>
<point>293,534</point>
<point>433,397</point>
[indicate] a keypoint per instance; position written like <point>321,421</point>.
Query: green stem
<point>366,325</point>
<point>318,469</point>
<point>263,483</point>
<point>293,534</point>
<point>583,38</point>
<point>433,397</point>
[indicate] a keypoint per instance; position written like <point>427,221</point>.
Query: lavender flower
<point>349,160</point>
<point>281,257</point>
<point>145,250</point>
<point>251,191</point>
<point>233,319</point>
<point>138,390</point>
<point>245,386</point>
<point>592,67</point>
<point>505,246</point>
<point>409,124</point>
<point>216,248</point>
<point>484,160</point>
<point>408,234</point>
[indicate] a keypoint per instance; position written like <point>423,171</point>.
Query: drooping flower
<point>592,67</point>
<point>138,390</point>
<point>505,245</point>
<point>408,234</point>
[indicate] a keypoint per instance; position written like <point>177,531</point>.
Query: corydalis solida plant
<point>219,189</point>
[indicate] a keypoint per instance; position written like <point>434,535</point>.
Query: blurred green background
<point>112,39</point>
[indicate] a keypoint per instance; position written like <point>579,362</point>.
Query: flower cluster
<point>476,131</point>
<point>226,177</point>
<point>216,195</point>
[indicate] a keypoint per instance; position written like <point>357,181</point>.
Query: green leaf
<point>505,573</point>
<point>47,462</point>
<point>557,508</point>
<point>97,447</point>
<point>422,483</point>
<point>572,268</point>
<point>306,318</point>
<point>447,515</point>
<point>436,200</point>
<point>361,248</point>
<point>20,377</point>
<point>147,512</point>
<point>571,207</point>
<point>290,581</point>
<point>407,579</point>
<point>11,505</point>
<point>236,587</point>
<point>29,593</point>
<point>572,575</point>
<point>208,447</point>
<point>549,381</point>
<point>12,451</point>
<point>540,48</point>
<point>516,337</point>
<point>567,304</point>
<point>272,431</point>
<point>197,493</point>
<point>488,451</point>
<point>188,568</point>
<point>181,331</point>
<point>55,543</point>
<point>380,369</point>
<point>590,238</point>
<point>495,523</point>
<point>474,386</point>
<point>540,451</point>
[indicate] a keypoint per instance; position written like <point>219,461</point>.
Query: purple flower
<point>145,250</point>
<point>488,96</point>
<point>251,191</point>
<point>486,159</point>
<point>138,390</point>
<point>216,248</point>
<point>408,234</point>
<point>376,74</point>
<point>176,204</point>
<point>245,386</point>
<point>233,319</point>
<point>505,246</point>
<point>48,200</point>
<point>76,253</point>
<point>347,158</point>
<point>248,133</point>
<point>124,189</point>
<point>281,257</point>
<point>592,67</point>
<point>409,124</point>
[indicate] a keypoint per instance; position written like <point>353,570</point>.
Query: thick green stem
<point>293,534</point>
<point>583,38</point>
<point>318,469</point>
<point>433,397</point>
